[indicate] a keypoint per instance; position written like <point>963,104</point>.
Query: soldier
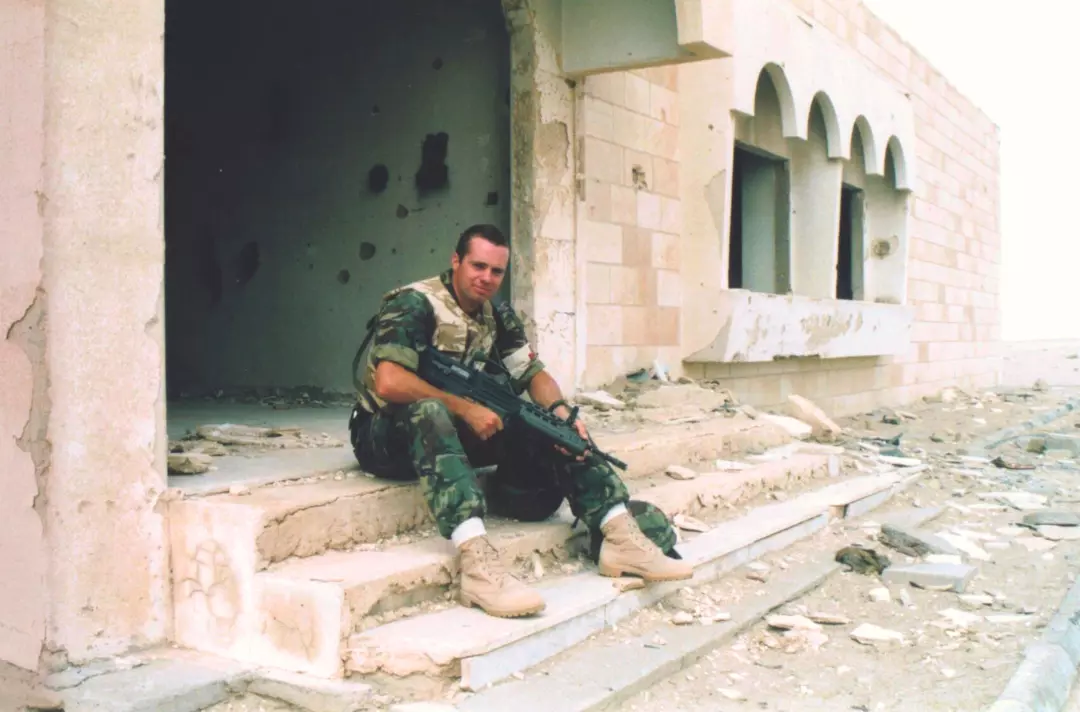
<point>405,428</point>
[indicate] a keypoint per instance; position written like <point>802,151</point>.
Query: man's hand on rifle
<point>483,421</point>
<point>579,425</point>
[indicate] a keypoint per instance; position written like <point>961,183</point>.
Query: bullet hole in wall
<point>437,64</point>
<point>433,173</point>
<point>402,211</point>
<point>343,276</point>
<point>393,250</point>
<point>367,250</point>
<point>377,178</point>
<point>492,198</point>
<point>246,263</point>
<point>375,110</point>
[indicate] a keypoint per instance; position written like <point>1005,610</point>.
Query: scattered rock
<point>1051,518</point>
<point>961,619</point>
<point>821,425</point>
<point>731,693</point>
<point>682,618</point>
<point>976,599</point>
<point>189,463</point>
<point>795,428</point>
<point>239,490</point>
<point>914,542</point>
<point>869,633</point>
<point>829,618</point>
<point>880,595</point>
<point>1036,446</point>
<point>1055,533</point>
<point>629,584</point>
<point>791,622</point>
<point>678,472</point>
<point>600,399</point>
<point>689,524</point>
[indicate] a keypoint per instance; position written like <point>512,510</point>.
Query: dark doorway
<point>759,243</point>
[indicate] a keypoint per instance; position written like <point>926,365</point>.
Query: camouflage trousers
<point>423,440</point>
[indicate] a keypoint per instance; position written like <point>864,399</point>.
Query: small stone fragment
<point>822,426</point>
<point>689,524</point>
<point>869,633</point>
<point>682,618</point>
<point>791,622</point>
<point>678,472</point>
<point>239,490</point>
<point>829,618</point>
<point>880,595</point>
<point>537,565</point>
<point>1051,518</point>
<point>628,584</point>
<point>977,599</point>
<point>731,693</point>
<point>189,463</point>
<point>905,598</point>
<point>600,399</point>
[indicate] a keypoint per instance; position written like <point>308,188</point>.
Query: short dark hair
<point>487,232</point>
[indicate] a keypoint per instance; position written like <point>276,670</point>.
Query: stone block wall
<point>954,249</point>
<point>630,219</point>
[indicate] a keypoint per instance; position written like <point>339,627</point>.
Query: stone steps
<point>482,649</point>
<point>296,615</point>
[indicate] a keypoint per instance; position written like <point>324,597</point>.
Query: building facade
<point>778,195</point>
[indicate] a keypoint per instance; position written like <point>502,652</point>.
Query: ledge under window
<point>765,327</point>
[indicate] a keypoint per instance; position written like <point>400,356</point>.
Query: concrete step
<point>296,615</point>
<point>482,649</point>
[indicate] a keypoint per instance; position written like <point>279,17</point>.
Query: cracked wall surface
<point>23,453</point>
<point>103,259</point>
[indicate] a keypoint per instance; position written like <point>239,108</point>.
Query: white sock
<point>612,513</point>
<point>469,529</point>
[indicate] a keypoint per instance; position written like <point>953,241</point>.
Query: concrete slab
<point>159,686</point>
<point>265,469</point>
<point>311,694</point>
<point>942,577</point>
<point>602,676</point>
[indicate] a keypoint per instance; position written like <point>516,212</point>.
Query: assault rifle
<point>454,377</point>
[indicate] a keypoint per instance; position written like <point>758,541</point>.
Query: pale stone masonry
<point>778,195</point>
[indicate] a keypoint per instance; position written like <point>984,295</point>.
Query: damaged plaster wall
<point>103,274</point>
<point>544,257</point>
<point>815,212</point>
<point>320,155</point>
<point>23,450</point>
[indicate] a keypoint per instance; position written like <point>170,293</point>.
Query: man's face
<point>479,274</point>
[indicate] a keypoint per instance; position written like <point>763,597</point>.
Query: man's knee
<point>430,413</point>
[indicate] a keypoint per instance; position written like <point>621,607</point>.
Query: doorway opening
<point>317,156</point>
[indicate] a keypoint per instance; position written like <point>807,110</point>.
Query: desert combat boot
<point>486,584</point>
<point>626,550</point>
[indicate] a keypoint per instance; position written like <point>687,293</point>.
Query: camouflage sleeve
<point>404,328</point>
<point>514,349</point>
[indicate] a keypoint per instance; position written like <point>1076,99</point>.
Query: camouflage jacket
<point>426,314</point>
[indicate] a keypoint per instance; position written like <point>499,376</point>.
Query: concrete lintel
<point>615,35</point>
<point>765,327</point>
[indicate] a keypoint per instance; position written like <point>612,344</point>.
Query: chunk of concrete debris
<point>961,619</point>
<point>682,618</point>
<point>795,428</point>
<point>1035,544</point>
<point>869,633</point>
<point>1051,518</point>
<point>312,693</point>
<point>239,490</point>
<point>689,524</point>
<point>731,693</point>
<point>822,426</point>
<point>828,618</point>
<point>914,542</point>
<point>678,472</point>
<point>782,622</point>
<point>731,466</point>
<point>189,463</point>
<point>629,584</point>
<point>600,399</point>
<point>965,545</point>
<point>879,595</point>
<point>1054,533</point>
<point>936,577</point>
